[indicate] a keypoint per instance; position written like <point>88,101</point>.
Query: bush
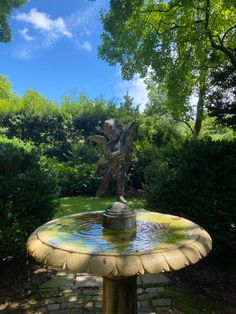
<point>197,181</point>
<point>28,194</point>
<point>73,179</point>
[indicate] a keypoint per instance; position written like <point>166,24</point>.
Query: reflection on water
<point>85,232</point>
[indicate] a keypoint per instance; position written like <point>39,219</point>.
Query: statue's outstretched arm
<point>99,139</point>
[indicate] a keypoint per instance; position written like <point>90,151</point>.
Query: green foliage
<point>6,7</point>
<point>28,194</point>
<point>176,44</point>
<point>76,179</point>
<point>197,181</point>
<point>222,99</point>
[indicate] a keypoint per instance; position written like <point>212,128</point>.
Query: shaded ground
<point>19,279</point>
<point>212,279</point>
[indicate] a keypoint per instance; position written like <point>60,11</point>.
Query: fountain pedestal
<point>120,295</point>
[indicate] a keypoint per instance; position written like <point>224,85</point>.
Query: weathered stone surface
<point>161,302</point>
<point>49,293</point>
<point>176,259</point>
<point>98,304</point>
<point>88,281</point>
<point>129,265</point>
<point>92,291</point>
<point>97,298</point>
<point>40,310</point>
<point>53,307</point>
<point>77,262</point>
<point>102,265</point>
<point>72,299</point>
<point>89,305</point>
<point>175,311</point>
<point>154,263</point>
<point>191,253</point>
<point>145,303</point>
<point>76,311</point>
<point>163,310</point>
<point>153,279</point>
<point>3,306</point>
<point>58,282</point>
<point>154,291</point>
<point>56,258</point>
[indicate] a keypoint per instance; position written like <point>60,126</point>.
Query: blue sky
<point>54,51</point>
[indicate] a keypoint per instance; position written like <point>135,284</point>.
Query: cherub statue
<point>118,144</point>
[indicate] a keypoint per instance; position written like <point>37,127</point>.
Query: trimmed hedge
<point>28,194</point>
<point>197,181</point>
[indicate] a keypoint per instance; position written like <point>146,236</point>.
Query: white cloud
<point>77,27</point>
<point>85,21</point>
<point>25,52</point>
<point>86,46</point>
<point>54,28</point>
<point>25,35</point>
<point>136,88</point>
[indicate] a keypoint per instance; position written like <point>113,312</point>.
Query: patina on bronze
<point>118,145</point>
<point>119,216</point>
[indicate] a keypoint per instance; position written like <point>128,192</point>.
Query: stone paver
<point>82,294</point>
<point>153,280</point>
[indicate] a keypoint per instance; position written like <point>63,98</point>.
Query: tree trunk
<point>199,114</point>
<point>200,103</point>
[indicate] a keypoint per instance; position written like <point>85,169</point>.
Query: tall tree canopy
<point>6,7</point>
<point>178,41</point>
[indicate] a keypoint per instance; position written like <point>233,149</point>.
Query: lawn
<point>72,205</point>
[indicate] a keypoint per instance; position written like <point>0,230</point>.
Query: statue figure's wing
<point>99,139</point>
<point>128,138</point>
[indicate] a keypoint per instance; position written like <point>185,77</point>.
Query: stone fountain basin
<point>80,244</point>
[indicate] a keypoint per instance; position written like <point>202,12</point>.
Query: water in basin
<point>85,233</point>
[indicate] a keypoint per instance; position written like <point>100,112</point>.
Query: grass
<point>72,205</point>
<point>185,301</point>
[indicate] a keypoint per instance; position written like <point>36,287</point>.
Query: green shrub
<point>197,181</point>
<point>28,194</point>
<point>73,180</point>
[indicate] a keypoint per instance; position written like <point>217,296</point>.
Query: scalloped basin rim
<point>112,253</point>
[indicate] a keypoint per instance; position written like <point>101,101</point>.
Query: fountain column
<point>119,293</point>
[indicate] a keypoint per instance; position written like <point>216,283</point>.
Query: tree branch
<point>178,5</point>
<point>185,122</point>
<point>226,33</point>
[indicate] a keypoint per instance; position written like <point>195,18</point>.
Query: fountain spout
<point>120,217</point>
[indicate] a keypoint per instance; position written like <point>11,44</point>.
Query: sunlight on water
<point>84,232</point>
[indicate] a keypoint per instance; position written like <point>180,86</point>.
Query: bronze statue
<point>118,144</point>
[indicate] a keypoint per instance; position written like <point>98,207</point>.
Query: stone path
<point>82,294</point>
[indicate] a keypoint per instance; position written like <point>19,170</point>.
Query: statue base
<point>119,216</point>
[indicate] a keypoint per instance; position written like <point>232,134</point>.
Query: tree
<point>175,39</point>
<point>221,100</point>
<point>6,7</point>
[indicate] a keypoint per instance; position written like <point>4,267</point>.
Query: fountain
<point>119,244</point>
